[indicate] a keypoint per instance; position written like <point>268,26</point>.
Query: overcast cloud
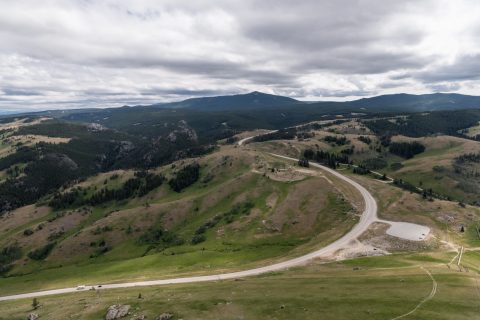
<point>103,53</point>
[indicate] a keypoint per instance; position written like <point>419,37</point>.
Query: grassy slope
<point>419,171</point>
<point>444,217</point>
<point>271,232</point>
<point>366,288</point>
<point>441,152</point>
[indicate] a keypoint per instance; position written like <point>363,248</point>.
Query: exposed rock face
<point>95,127</point>
<point>33,316</point>
<point>165,316</point>
<point>117,311</point>
<point>60,160</point>
<point>183,129</point>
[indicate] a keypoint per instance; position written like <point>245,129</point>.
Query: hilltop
<point>250,100</point>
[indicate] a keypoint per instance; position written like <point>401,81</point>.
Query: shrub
<point>303,163</point>
<point>361,170</point>
<point>55,235</point>
<point>439,168</point>
<point>396,166</point>
<point>198,238</point>
<point>157,235</point>
<point>7,256</point>
<point>42,252</point>
<point>365,139</point>
<point>340,141</point>
<point>375,163</point>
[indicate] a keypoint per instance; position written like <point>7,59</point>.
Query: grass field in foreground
<point>366,288</point>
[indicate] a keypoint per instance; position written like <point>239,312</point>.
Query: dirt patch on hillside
<point>21,216</point>
<point>34,139</point>
<point>376,237</point>
<point>356,249</point>
<point>21,123</point>
<point>285,175</point>
<point>52,230</point>
<point>271,200</point>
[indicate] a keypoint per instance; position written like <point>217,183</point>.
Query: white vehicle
<point>81,287</point>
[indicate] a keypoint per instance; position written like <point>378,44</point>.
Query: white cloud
<point>60,54</point>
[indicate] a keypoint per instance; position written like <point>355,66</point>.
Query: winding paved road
<point>368,216</point>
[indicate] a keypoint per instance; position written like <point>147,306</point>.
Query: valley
<point>246,202</point>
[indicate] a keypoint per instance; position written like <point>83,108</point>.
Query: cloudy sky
<point>102,53</point>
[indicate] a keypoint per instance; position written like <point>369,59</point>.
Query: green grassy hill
<point>236,214</point>
<point>446,166</point>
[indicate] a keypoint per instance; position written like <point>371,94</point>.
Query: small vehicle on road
<point>81,287</point>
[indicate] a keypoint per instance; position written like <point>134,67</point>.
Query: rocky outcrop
<point>183,130</point>
<point>117,311</point>
<point>165,316</point>
<point>33,316</point>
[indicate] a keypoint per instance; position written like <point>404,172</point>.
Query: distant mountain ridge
<point>248,100</point>
<point>259,101</point>
<point>422,102</point>
<point>401,102</point>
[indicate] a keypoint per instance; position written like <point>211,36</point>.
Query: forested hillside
<point>422,124</point>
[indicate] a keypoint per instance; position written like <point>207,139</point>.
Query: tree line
<point>468,157</point>
<point>185,177</point>
<point>324,157</point>
<point>339,141</point>
<point>282,134</point>
<point>406,150</point>
<point>421,124</point>
<point>142,183</point>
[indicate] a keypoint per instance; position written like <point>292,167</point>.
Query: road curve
<point>368,216</point>
<point>242,142</point>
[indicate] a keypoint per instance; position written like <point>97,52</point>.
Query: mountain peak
<point>252,99</point>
